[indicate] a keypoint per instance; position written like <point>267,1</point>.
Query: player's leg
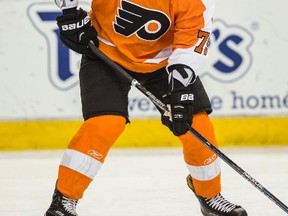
<point>196,154</point>
<point>204,166</point>
<point>104,102</point>
<point>202,163</point>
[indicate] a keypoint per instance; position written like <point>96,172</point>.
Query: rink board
<point>143,133</point>
<point>245,78</point>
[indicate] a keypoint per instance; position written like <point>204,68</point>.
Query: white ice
<point>142,182</point>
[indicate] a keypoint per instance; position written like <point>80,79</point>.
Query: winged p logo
<point>146,23</point>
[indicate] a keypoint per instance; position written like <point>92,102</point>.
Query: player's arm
<point>75,27</point>
<point>193,23</point>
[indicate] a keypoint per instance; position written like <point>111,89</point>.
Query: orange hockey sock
<point>202,163</point>
<point>86,153</point>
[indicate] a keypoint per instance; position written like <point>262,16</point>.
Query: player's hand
<point>181,99</point>
<point>76,30</point>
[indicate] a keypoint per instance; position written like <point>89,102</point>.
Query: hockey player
<point>163,44</point>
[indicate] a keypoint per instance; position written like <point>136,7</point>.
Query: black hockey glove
<point>181,99</point>
<point>76,30</point>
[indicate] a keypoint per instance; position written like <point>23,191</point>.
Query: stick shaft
<point>162,106</point>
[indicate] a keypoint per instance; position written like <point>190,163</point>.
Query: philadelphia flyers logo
<point>146,23</point>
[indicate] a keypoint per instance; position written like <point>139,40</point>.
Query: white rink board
<point>143,182</point>
<point>246,75</point>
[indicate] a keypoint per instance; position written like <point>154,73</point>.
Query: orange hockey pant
<point>89,147</point>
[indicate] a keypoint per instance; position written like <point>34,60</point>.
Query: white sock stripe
<point>81,163</point>
<point>204,173</point>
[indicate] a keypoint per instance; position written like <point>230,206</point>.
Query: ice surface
<point>142,182</point>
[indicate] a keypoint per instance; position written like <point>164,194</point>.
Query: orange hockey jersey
<point>145,35</point>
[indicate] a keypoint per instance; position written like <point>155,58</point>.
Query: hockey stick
<point>163,107</point>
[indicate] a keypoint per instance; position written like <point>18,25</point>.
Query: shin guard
<point>202,163</point>
<point>86,153</point>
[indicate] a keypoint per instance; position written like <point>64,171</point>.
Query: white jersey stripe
<point>205,173</point>
<point>81,163</point>
<point>161,56</point>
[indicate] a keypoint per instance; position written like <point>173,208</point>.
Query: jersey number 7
<point>204,36</point>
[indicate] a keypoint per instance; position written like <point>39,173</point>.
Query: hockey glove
<point>181,99</point>
<point>76,30</point>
